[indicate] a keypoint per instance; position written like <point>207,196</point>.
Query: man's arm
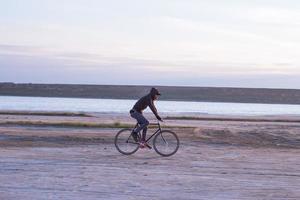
<point>154,110</point>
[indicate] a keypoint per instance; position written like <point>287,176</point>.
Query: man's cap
<point>154,91</point>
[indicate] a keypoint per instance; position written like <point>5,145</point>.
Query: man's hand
<point>159,118</point>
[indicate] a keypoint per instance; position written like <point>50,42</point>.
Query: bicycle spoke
<point>163,138</point>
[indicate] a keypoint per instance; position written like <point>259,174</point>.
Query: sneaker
<point>135,136</point>
<point>142,145</point>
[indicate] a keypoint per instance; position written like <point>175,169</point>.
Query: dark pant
<point>142,121</point>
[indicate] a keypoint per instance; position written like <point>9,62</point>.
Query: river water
<point>121,106</point>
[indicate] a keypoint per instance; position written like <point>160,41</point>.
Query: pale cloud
<point>96,62</point>
<point>276,16</point>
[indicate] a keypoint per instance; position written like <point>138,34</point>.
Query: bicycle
<point>165,142</point>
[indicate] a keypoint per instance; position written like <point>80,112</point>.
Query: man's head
<point>154,93</point>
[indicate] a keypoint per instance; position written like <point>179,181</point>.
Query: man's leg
<point>143,122</point>
<point>145,132</point>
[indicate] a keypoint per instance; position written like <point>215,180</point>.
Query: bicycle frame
<point>156,132</point>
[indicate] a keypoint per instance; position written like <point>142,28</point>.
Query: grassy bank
<point>46,113</point>
<point>81,124</point>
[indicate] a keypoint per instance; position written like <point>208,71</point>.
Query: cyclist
<point>137,113</point>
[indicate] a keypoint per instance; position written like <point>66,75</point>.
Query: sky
<point>224,43</point>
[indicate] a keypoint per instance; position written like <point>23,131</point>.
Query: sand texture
<point>217,160</point>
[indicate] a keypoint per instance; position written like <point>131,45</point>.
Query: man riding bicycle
<point>137,113</point>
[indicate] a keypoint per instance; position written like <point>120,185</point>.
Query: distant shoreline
<point>171,93</point>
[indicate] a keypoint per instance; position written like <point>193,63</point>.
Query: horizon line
<point>142,85</point>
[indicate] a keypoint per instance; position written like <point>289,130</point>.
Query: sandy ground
<point>216,160</point>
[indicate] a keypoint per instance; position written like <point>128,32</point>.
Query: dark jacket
<point>146,101</point>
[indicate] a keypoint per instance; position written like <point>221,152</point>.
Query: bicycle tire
<point>126,133</point>
<point>174,139</point>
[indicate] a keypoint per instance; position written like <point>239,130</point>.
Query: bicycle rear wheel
<point>166,143</point>
<point>125,143</point>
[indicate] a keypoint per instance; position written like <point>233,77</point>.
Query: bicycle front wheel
<point>166,143</point>
<point>125,143</point>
